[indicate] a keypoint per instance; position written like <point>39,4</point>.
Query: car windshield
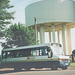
<point>57,49</point>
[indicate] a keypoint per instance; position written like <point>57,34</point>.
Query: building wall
<point>47,11</point>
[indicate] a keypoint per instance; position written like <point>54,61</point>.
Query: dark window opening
<point>40,51</point>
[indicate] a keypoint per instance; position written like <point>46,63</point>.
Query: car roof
<point>27,47</point>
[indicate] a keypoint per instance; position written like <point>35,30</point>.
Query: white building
<point>53,16</point>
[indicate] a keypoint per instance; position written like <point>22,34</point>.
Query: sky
<point>19,8</point>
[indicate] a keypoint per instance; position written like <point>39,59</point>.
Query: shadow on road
<point>12,71</point>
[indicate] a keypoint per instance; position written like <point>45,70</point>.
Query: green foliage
<point>5,16</point>
<point>72,64</point>
<point>19,35</point>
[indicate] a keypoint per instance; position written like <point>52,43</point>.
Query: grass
<point>72,64</point>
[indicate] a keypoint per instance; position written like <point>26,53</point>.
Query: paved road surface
<point>43,73</point>
<point>40,72</point>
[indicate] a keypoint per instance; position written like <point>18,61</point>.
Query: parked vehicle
<point>48,55</point>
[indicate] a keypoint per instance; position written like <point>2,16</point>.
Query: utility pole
<point>35,30</point>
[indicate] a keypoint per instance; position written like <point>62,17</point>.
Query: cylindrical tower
<point>47,11</point>
<point>51,16</point>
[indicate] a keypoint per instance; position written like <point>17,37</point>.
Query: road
<point>40,72</point>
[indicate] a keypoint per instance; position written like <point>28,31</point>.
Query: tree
<point>19,35</point>
<point>73,52</point>
<point>5,16</point>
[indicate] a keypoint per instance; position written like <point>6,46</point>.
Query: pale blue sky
<point>20,9</point>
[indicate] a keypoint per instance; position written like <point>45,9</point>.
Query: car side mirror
<point>50,54</point>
